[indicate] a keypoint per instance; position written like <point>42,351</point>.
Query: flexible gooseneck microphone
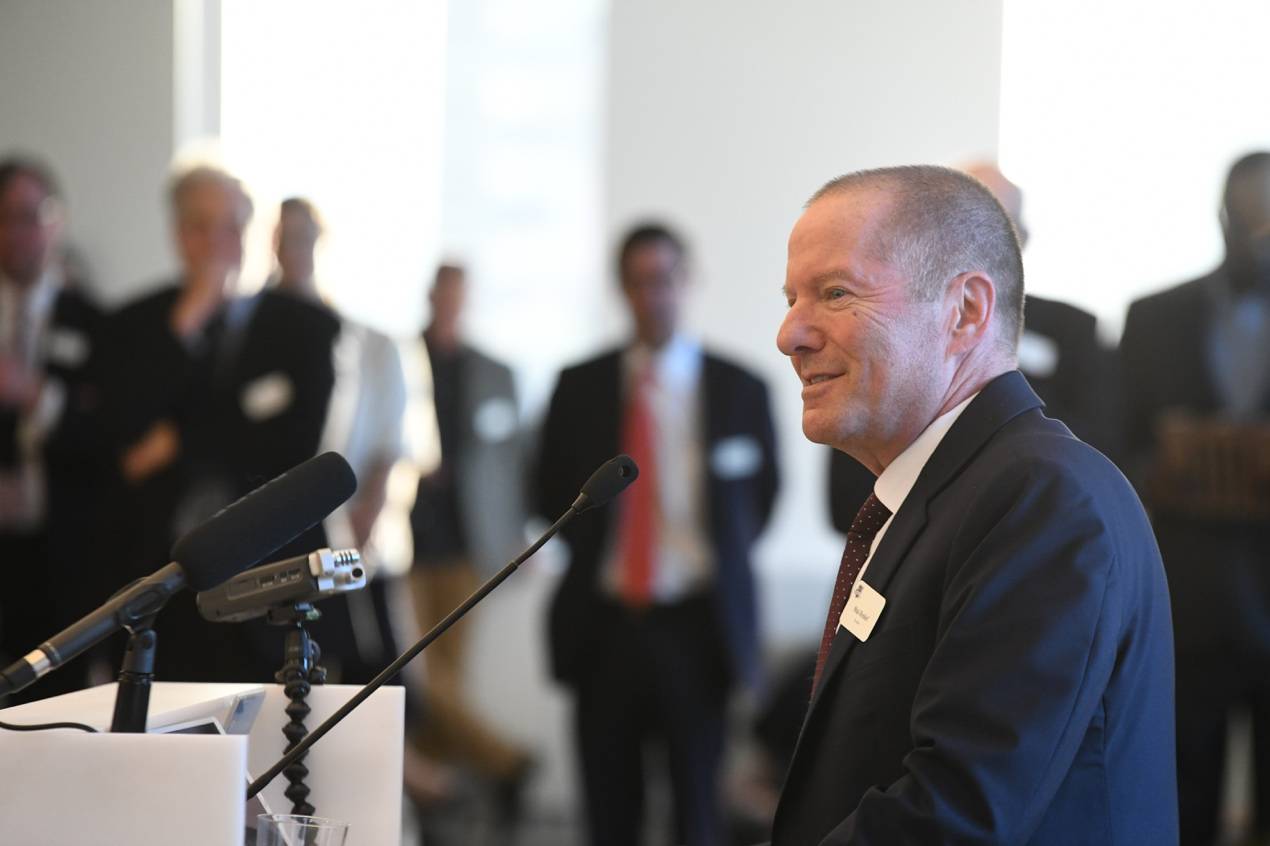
<point>612,477</point>
<point>235,538</point>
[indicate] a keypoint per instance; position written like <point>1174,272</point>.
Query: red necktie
<point>638,537</point>
<point>868,520</point>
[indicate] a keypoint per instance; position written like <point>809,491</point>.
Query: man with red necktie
<point>655,620</point>
<point>997,666</point>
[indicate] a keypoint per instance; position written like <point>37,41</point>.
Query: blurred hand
<point>157,449</point>
<point>19,387</point>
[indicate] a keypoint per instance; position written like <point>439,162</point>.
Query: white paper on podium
<point>172,704</point>
<point>70,788</point>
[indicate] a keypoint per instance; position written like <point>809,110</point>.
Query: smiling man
<point>996,665</point>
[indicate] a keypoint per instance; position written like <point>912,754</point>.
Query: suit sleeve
<point>552,490</point>
<point>769,481</point>
<point>143,370</point>
<point>1025,647</point>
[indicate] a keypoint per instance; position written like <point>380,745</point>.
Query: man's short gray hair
<point>184,180</point>
<point>942,223</point>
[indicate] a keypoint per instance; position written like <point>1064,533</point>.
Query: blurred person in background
<point>364,420</point>
<point>1196,368</point>
<point>467,522</point>
<point>49,473</point>
<point>364,423</point>
<point>207,395</point>
<point>655,620</point>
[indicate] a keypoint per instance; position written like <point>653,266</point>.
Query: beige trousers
<point>451,729</point>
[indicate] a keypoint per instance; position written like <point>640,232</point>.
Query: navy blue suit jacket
<point>582,431</point>
<point>1018,685</point>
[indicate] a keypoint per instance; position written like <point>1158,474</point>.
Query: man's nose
<point>797,334</point>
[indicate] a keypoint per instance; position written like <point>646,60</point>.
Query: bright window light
<point>1119,120</point>
<point>342,104</point>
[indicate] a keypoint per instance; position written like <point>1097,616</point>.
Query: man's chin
<point>817,430</point>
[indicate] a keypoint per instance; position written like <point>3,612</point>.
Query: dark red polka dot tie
<point>871,517</point>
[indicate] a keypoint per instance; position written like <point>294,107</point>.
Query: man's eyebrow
<point>832,276</point>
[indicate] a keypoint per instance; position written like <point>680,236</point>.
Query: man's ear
<point>973,300</point>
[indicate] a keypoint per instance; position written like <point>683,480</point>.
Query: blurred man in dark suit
<point>655,619</point>
<point>48,467</point>
<point>208,395</point>
<point>1196,365</point>
<point>996,664</point>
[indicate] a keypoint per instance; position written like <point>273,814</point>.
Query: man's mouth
<point>818,378</point>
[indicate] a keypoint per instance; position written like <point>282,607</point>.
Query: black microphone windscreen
<point>608,481</point>
<point>242,534</point>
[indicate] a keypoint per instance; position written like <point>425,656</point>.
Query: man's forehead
<point>213,197</point>
<point>847,220</point>
<point>24,187</point>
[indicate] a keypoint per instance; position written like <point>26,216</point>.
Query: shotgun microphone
<point>235,538</point>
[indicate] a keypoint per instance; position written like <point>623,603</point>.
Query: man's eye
<point>835,293</point>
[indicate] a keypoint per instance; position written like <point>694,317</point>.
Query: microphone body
<point>233,539</point>
<point>304,578</point>
<point>143,598</point>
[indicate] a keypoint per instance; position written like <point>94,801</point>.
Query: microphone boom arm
<point>406,657</point>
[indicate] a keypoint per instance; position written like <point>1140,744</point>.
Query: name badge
<point>1037,354</point>
<point>267,396</point>
<point>736,457</point>
<point>862,611</point>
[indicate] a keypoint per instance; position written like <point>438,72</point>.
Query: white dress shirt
<point>684,560</point>
<point>898,477</point>
<point>25,314</point>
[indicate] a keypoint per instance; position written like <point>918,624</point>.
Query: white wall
<point>724,116</point>
<point>521,197</point>
<point>88,86</point>
<point>342,104</point>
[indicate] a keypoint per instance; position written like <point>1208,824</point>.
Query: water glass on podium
<point>299,830</point>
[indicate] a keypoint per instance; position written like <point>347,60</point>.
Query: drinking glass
<point>299,830</point>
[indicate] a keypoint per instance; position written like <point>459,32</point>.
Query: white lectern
<point>68,788</point>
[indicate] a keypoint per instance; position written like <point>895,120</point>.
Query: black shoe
<point>509,795</point>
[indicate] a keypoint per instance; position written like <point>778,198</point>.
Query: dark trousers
<point>1209,687</point>
<point>1219,581</point>
<point>662,677</point>
<point>33,608</point>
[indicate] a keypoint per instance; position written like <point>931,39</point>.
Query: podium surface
<point>70,787</point>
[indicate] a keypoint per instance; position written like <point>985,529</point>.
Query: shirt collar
<point>675,365</point>
<point>898,478</point>
<point>38,299</point>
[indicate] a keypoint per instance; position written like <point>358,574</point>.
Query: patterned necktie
<point>639,527</point>
<point>868,520</point>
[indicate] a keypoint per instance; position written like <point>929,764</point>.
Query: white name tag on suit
<point>1037,354</point>
<point>736,457</point>
<point>268,396</point>
<point>863,609</point>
